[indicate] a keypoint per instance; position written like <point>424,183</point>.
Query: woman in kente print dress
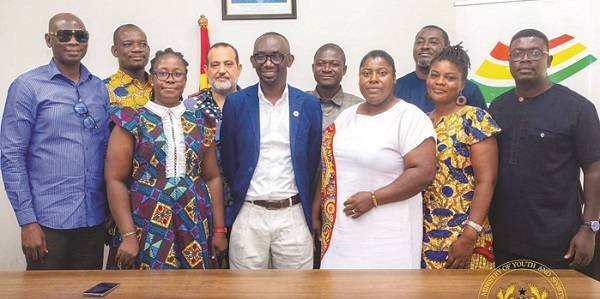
<point>166,155</point>
<point>456,231</point>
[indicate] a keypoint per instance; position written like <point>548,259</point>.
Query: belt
<point>276,204</point>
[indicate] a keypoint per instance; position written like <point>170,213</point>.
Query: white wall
<point>357,26</point>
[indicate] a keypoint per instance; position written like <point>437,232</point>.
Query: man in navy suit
<point>270,149</point>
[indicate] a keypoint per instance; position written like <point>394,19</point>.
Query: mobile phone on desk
<point>101,289</point>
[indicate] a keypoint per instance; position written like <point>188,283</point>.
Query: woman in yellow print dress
<point>455,206</point>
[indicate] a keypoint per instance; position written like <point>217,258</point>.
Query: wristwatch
<point>594,225</point>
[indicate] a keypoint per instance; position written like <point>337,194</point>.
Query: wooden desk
<point>269,284</point>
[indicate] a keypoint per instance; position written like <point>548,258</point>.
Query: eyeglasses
<point>88,121</point>
<point>533,54</point>
<point>64,36</point>
<point>164,76</point>
<point>276,58</point>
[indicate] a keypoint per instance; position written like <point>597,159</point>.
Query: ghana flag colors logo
<point>493,76</point>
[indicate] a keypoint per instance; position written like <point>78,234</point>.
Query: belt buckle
<point>272,206</point>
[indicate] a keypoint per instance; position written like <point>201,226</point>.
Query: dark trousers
<point>503,257</point>
<point>593,269</point>
<point>72,249</point>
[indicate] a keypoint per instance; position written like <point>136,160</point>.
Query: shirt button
<point>542,135</point>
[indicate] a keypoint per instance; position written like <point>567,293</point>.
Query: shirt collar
<point>283,98</point>
<point>127,79</point>
<point>163,111</point>
<point>53,71</point>
<point>337,99</point>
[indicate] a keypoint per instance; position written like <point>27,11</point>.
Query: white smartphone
<point>101,289</point>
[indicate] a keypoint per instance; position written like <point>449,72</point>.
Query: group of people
<point>417,173</point>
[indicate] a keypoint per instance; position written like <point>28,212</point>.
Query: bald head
<point>275,35</point>
<point>65,21</point>
<point>67,48</point>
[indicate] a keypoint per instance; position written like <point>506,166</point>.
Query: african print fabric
<point>173,215</point>
<point>124,90</point>
<point>328,188</point>
<point>447,201</point>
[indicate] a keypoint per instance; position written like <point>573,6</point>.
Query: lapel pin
<point>296,113</point>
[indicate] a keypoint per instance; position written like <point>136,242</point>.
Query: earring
<point>461,100</point>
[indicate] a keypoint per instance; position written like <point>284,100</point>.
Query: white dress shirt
<point>171,121</point>
<point>273,177</point>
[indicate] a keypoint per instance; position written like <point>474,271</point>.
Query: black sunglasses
<point>64,36</point>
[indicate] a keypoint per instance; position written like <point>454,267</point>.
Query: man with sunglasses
<point>53,141</point>
<point>270,149</point>
<point>130,85</point>
<point>549,134</point>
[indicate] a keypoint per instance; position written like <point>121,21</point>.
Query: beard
<point>423,63</point>
<point>222,86</point>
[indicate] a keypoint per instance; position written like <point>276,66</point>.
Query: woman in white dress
<point>377,158</point>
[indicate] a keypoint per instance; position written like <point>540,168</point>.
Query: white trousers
<point>263,239</point>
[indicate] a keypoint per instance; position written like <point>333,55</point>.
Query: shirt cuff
<point>26,216</point>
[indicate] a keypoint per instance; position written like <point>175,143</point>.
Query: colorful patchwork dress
<point>447,201</point>
<point>173,215</point>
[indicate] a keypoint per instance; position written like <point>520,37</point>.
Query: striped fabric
<point>52,165</point>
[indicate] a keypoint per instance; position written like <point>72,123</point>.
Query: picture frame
<point>258,9</point>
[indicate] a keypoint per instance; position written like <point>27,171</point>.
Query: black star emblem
<point>522,292</point>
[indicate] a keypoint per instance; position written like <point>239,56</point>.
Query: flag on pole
<point>204,46</point>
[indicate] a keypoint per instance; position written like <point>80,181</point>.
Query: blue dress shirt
<point>412,89</point>
<point>52,165</point>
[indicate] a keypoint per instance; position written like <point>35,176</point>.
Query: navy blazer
<point>240,144</point>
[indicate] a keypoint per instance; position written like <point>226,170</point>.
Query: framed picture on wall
<point>258,9</point>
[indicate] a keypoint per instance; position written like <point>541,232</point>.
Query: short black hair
<point>380,54</point>
<point>167,51</point>
<point>225,45</point>
<point>531,33</point>
<point>444,33</point>
<point>456,55</point>
<point>331,46</point>
<point>121,28</point>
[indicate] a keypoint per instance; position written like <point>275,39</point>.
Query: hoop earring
<point>461,100</point>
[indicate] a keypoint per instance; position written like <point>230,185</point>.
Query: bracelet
<point>124,235</point>
<point>220,230</point>
<point>374,199</point>
<point>474,225</point>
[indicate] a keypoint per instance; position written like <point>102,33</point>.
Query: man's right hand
<point>33,242</point>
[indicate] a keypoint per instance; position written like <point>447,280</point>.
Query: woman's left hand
<point>459,253</point>
<point>358,204</point>
<point>219,244</point>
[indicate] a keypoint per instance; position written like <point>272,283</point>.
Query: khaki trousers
<point>263,239</point>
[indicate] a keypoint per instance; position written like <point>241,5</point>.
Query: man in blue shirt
<point>429,42</point>
<point>53,142</point>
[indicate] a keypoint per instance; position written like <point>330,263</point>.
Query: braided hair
<point>159,54</point>
<point>456,55</point>
<point>167,51</point>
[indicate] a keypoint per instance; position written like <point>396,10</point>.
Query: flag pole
<point>204,46</point>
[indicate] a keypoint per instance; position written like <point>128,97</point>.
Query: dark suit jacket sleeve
<point>316,133</point>
<point>228,145</point>
<point>474,95</point>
